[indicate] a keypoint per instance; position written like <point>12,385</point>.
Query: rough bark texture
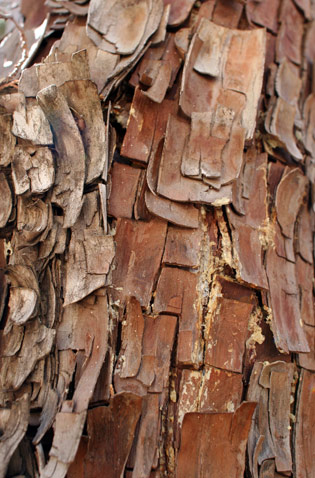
<point>157,188</point>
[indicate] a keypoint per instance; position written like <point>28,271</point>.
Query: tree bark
<point>157,239</point>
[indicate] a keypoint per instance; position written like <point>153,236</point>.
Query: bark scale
<point>157,230</point>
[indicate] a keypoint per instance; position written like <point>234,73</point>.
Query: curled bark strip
<point>70,174</point>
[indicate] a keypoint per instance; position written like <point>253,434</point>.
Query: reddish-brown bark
<point>157,189</point>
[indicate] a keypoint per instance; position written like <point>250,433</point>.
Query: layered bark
<point>157,231</point>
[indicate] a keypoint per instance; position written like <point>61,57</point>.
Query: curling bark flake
<point>157,188</point>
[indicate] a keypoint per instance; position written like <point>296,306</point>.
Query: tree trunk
<point>157,229</point>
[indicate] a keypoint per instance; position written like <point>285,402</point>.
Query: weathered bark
<point>157,190</point>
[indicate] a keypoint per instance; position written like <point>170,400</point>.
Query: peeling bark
<point>157,189</point>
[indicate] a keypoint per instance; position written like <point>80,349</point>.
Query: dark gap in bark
<point>118,340</point>
<point>71,388</point>
<point>4,316</point>
<point>57,210</point>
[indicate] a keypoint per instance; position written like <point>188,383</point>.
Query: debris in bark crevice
<point>157,213</point>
